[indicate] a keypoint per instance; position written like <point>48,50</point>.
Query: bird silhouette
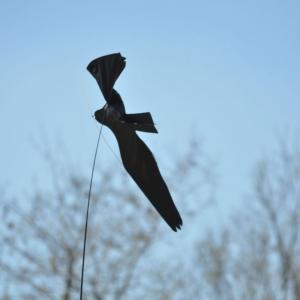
<point>137,158</point>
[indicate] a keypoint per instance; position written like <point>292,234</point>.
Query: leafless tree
<point>257,256</point>
<point>42,233</point>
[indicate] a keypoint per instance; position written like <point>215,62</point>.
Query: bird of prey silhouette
<point>137,159</point>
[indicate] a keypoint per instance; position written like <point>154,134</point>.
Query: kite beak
<point>99,115</point>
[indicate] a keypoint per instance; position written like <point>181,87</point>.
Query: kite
<point>137,158</point>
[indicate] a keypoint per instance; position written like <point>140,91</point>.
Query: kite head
<point>108,113</point>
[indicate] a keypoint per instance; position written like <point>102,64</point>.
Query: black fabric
<point>140,122</point>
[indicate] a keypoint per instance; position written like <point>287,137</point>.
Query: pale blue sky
<point>229,68</point>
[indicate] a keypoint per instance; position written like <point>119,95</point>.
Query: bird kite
<point>137,159</point>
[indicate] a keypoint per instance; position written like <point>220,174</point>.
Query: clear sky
<point>226,71</point>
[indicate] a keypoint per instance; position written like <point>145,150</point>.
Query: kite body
<point>137,159</point>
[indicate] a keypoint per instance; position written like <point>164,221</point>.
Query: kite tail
<point>140,122</point>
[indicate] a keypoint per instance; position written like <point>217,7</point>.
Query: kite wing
<point>106,70</point>
<point>140,163</point>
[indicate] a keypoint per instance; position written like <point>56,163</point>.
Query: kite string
<point>87,214</point>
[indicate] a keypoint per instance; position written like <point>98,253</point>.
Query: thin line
<point>87,215</point>
<point>111,150</point>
